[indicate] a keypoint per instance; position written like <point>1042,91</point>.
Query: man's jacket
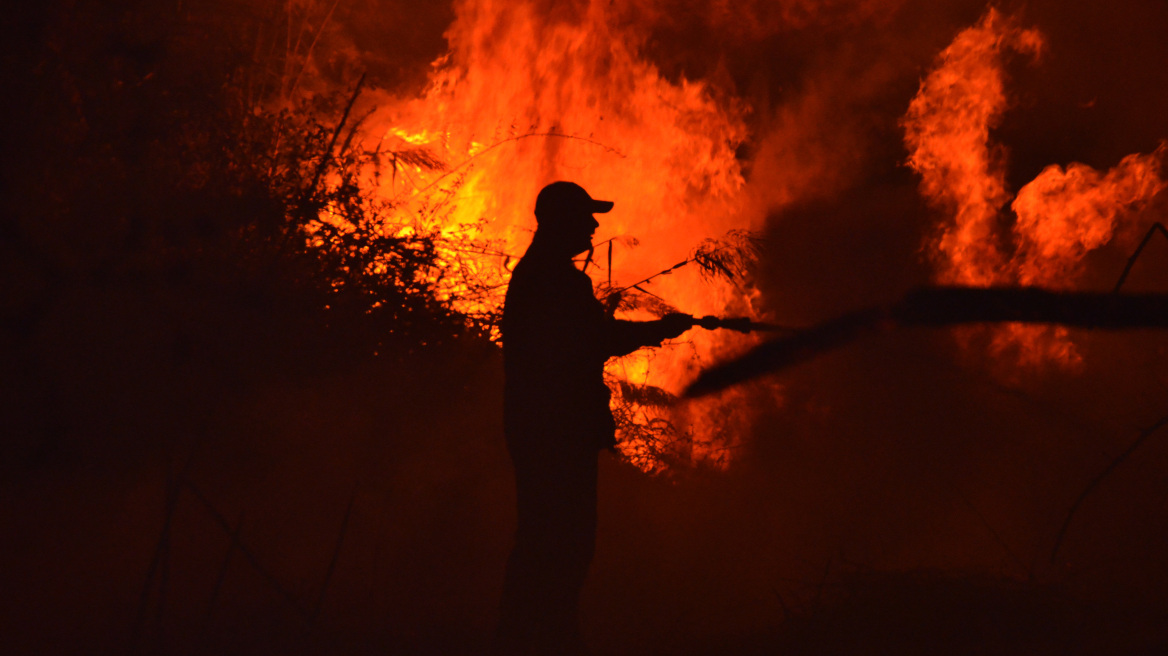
<point>556,339</point>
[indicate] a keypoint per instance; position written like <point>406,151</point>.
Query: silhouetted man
<point>556,339</point>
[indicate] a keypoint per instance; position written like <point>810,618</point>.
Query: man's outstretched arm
<point>624,337</point>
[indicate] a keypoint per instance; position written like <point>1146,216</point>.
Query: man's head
<point>563,212</point>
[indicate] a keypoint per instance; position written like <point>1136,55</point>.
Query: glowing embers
<point>1060,216</point>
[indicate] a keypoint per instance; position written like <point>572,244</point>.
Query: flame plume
<point>1060,216</point>
<point>1064,213</point>
<point>947,131</point>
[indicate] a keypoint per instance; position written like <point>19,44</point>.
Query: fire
<point>1061,215</point>
<point>1064,213</point>
<point>525,97</point>
<point>947,131</point>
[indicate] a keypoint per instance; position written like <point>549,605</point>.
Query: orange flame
<point>1061,215</point>
<point>1064,213</point>
<point>947,131</point>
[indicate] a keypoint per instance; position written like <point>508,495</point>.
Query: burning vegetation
<point>254,255</point>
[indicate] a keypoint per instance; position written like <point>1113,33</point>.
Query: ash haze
<point>903,494</point>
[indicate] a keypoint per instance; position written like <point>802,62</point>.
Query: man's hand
<point>676,323</point>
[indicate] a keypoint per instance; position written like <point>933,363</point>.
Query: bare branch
<point>1144,435</point>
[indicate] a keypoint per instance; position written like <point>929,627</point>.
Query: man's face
<point>578,230</point>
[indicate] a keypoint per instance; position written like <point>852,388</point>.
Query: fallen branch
<point>332,566</point>
<point>253,560</point>
<point>160,557</point>
<point>205,625</point>
<point>1144,435</point>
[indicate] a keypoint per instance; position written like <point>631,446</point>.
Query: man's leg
<point>554,542</point>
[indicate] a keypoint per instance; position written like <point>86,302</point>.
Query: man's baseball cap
<point>560,198</point>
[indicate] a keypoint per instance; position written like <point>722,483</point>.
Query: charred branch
<point>327,156</point>
<point>1131,262</point>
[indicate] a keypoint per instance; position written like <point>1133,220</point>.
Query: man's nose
<point>592,220</point>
